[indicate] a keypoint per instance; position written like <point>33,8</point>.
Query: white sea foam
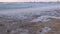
<point>44,18</point>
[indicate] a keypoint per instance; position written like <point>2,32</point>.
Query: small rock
<point>1,24</point>
<point>8,31</point>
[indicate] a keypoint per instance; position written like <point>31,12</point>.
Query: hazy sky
<point>27,0</point>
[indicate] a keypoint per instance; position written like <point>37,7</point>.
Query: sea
<point>26,10</point>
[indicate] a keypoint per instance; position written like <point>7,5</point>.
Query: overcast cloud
<point>28,0</point>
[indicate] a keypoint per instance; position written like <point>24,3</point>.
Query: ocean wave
<point>28,13</point>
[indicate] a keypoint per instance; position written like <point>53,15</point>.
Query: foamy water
<point>29,12</point>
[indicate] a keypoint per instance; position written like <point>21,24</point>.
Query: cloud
<point>27,0</point>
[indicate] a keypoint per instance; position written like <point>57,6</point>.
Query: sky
<point>28,0</point>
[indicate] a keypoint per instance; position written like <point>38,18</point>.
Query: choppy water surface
<point>29,9</point>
